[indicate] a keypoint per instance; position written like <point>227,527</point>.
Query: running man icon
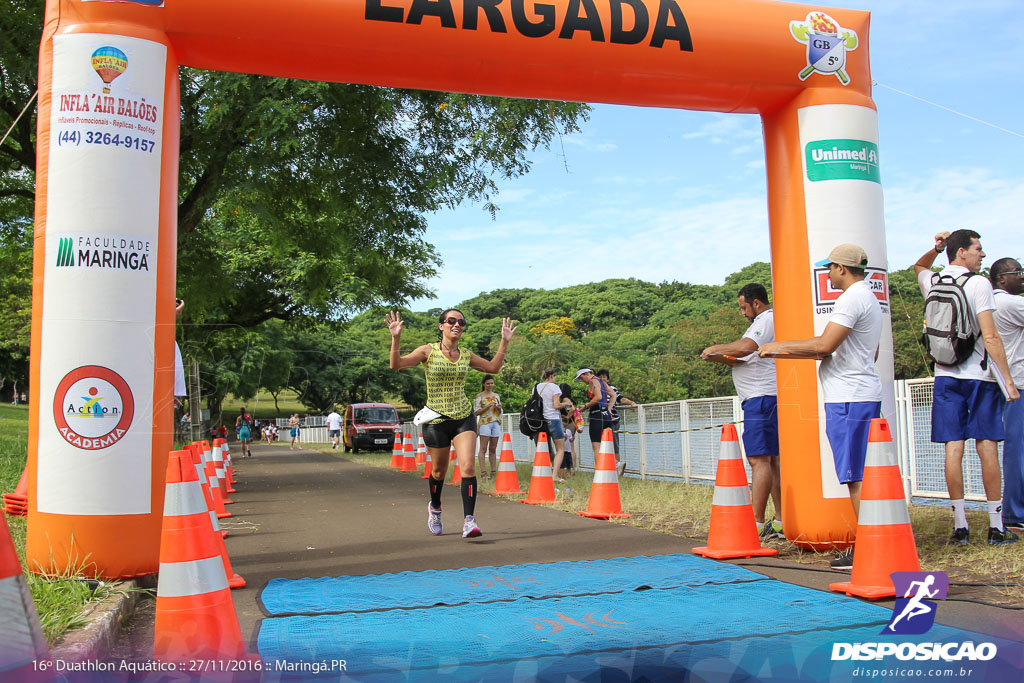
<point>915,588</point>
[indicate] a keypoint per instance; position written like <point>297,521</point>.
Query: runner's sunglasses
<point>461,322</point>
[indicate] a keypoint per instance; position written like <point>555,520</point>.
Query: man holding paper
<point>754,379</point>
<point>1008,283</point>
<point>967,402</point>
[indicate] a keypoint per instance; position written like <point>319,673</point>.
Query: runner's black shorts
<point>440,434</point>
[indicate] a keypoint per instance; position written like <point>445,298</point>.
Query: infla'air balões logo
<point>827,43</point>
<point>109,63</point>
<point>914,613</point>
<point>93,407</point>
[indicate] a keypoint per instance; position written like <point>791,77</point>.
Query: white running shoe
<point>434,520</point>
<point>470,529</point>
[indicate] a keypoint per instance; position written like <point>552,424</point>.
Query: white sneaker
<point>434,520</point>
<point>470,529</point>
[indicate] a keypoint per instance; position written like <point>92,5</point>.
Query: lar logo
<point>827,43</point>
<point>914,613</point>
<point>93,407</point>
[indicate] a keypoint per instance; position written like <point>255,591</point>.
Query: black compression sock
<point>435,491</point>
<point>468,495</point>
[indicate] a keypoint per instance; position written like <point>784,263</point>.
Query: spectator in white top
<point>334,427</point>
<point>754,379</point>
<point>967,402</point>
<point>850,384</point>
<point>1008,281</point>
<point>551,398</point>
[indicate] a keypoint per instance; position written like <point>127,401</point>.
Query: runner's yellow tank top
<point>446,383</point>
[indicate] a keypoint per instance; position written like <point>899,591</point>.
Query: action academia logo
<point>93,407</point>
<point>827,43</point>
<point>914,614</point>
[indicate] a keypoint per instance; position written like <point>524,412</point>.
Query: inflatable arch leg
<point>812,208</point>
<point>105,241</point>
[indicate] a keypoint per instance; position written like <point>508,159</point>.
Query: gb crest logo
<point>827,43</point>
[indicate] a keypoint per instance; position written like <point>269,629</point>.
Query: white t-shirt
<point>849,374</point>
<point>755,376</point>
<point>548,391</point>
<point>179,373</point>
<point>334,421</point>
<point>978,291</point>
<point>1009,317</point>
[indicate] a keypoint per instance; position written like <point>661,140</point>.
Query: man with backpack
<point>967,402</point>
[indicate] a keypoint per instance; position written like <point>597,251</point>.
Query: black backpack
<point>949,335</point>
<point>531,418</point>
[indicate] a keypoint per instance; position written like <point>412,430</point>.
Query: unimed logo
<point>914,614</point>
<point>65,253</point>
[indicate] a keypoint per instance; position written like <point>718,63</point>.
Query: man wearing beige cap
<point>848,348</point>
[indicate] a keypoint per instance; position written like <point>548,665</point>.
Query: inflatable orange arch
<point>106,192</point>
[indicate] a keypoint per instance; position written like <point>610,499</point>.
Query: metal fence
<point>680,440</point>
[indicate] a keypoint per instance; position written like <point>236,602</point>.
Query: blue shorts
<point>555,430</point>
<point>966,409</point>
<point>761,426</point>
<point>490,429</point>
<point>847,426</point>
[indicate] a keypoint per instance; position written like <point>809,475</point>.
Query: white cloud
<point>972,198</point>
<point>728,129</point>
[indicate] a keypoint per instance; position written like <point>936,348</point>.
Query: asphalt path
<point>312,513</point>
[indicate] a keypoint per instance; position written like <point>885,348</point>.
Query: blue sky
<point>664,194</point>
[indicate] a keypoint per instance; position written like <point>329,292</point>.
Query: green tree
<point>300,199</point>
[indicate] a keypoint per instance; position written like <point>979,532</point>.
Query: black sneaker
<point>1017,526</point>
<point>997,537</point>
<point>770,532</point>
<point>843,560</point>
<point>961,536</point>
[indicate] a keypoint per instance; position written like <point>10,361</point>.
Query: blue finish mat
<point>476,634</point>
<point>490,584</point>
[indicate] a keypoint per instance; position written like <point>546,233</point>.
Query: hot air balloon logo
<point>109,63</point>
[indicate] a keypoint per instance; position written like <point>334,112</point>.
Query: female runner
<point>446,365</point>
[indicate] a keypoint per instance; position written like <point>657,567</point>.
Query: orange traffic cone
<point>885,539</point>
<point>195,618</point>
<point>733,531</point>
<point>428,463</point>
<point>204,484</point>
<point>409,460</point>
<point>456,473</point>
<point>17,503</point>
<point>23,643</point>
<point>604,502</point>
<point>203,474</point>
<point>396,452</point>
<point>507,480</point>
<point>421,451</point>
<point>542,484</point>
<point>217,461</point>
<point>229,471</point>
